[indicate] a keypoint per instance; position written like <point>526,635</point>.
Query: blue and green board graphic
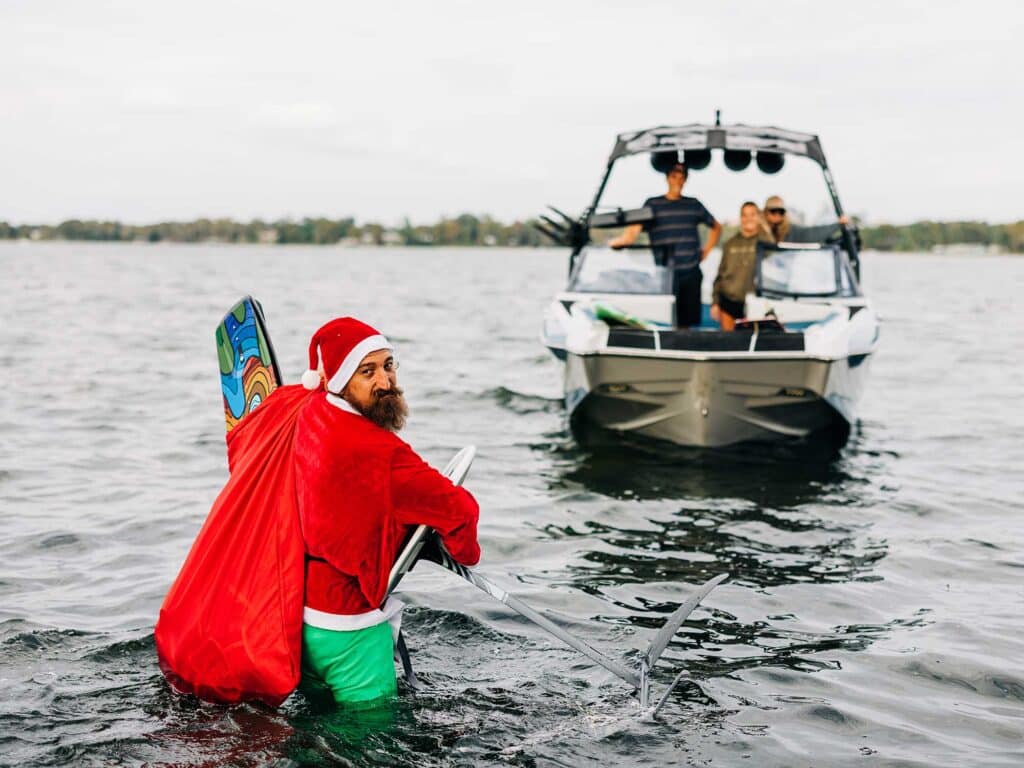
<point>248,367</point>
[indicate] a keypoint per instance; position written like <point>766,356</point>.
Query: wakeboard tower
<point>250,373</point>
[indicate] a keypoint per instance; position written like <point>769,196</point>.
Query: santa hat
<point>337,349</point>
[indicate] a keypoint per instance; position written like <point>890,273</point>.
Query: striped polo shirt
<point>673,231</point>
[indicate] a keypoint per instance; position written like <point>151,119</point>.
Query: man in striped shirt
<point>676,242</point>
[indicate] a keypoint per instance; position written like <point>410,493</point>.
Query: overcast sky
<point>146,111</point>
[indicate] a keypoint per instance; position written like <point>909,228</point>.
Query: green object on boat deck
<point>615,316</point>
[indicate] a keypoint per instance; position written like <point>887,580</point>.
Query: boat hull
<point>714,402</point>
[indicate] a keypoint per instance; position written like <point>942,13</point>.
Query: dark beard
<point>388,409</point>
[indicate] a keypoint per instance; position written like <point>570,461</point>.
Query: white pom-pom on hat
<point>311,380</point>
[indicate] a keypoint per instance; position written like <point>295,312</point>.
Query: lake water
<point>874,614</point>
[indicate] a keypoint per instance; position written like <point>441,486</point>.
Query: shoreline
<point>469,231</point>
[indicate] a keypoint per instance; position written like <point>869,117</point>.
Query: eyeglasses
<point>778,211</point>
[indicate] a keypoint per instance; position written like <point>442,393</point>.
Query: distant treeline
<point>461,230</point>
<point>466,229</point>
<point>925,235</point>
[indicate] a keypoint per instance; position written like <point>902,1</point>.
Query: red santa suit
<point>360,488</point>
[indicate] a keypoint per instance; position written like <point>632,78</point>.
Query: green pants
<point>356,667</point>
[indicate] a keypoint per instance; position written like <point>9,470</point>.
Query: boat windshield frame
<point>844,283</point>
<point>638,273</point>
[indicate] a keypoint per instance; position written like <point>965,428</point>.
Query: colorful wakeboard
<point>248,366</point>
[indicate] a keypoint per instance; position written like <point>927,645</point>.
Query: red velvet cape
<point>230,628</point>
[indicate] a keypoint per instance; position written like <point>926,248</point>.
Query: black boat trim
<point>685,340</point>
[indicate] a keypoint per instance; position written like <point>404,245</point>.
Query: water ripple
<point>872,610</point>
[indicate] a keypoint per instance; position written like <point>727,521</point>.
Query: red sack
<point>230,628</point>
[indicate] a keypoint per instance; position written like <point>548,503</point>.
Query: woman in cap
<point>783,230</point>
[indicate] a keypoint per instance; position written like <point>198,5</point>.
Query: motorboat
<point>795,366</point>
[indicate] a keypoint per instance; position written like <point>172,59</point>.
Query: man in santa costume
<point>359,488</point>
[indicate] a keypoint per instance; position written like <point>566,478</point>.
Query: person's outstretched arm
<point>420,495</point>
<point>628,236</point>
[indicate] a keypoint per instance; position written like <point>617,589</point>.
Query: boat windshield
<point>603,270</point>
<point>805,272</point>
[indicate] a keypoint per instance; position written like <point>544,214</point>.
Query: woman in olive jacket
<point>736,270</point>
